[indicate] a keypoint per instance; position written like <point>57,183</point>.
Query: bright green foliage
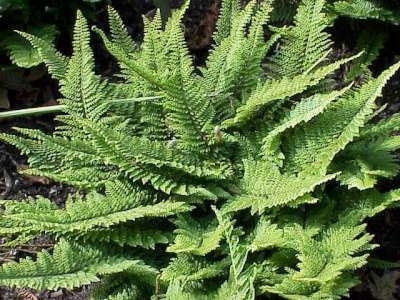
<point>305,43</point>
<point>245,177</point>
<point>195,237</point>
<point>101,212</point>
<point>273,91</point>
<point>71,265</point>
<point>371,156</point>
<point>55,61</point>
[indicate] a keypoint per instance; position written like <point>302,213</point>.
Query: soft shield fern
<point>250,175</point>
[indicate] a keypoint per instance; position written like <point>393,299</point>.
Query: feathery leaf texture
<point>305,43</point>
<point>278,90</point>
<point>213,185</point>
<point>100,212</point>
<point>70,265</point>
<point>24,56</point>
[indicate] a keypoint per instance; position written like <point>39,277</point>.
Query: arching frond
<point>70,265</point>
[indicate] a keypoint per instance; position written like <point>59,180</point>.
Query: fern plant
<point>368,9</point>
<point>222,181</point>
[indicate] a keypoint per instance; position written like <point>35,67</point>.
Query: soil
<point>38,89</point>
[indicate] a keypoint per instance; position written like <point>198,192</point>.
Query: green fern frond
<point>84,93</point>
<point>258,48</point>
<point>321,263</point>
<point>138,281</point>
<point>84,178</point>
<point>163,168</point>
<point>119,33</point>
<point>366,204</point>
<point>204,239</point>
<point>366,9</point>
<point>355,108</point>
<point>384,127</point>
<point>54,60</point>
<point>95,212</point>
<point>187,118</point>
<point>304,111</point>
<point>268,235</point>
<point>362,170</point>
<point>229,10</point>
<point>265,186</point>
<point>176,291</point>
<point>48,151</point>
<point>240,284</point>
<point>113,287</point>
<point>125,294</point>
<point>155,145</point>
<point>140,150</point>
<point>134,235</point>
<point>25,55</point>
<point>188,267</point>
<point>71,265</point>
<point>305,43</point>
<point>240,53</point>
<point>278,90</point>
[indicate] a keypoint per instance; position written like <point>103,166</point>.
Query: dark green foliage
<point>40,18</point>
<point>382,10</point>
<point>234,182</point>
<point>386,11</point>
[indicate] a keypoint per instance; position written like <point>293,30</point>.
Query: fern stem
<point>30,111</point>
<point>57,108</point>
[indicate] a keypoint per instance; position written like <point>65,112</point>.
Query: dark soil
<point>15,186</point>
<point>199,24</point>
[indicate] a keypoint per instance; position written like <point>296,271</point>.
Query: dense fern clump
<point>251,175</point>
